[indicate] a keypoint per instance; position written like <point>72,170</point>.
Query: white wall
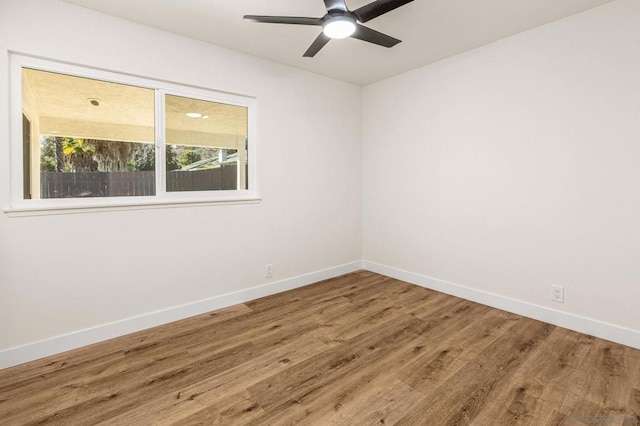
<point>61,274</point>
<point>513,167</point>
<point>504,169</point>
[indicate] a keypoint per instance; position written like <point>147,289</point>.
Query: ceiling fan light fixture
<point>339,27</point>
<point>340,22</point>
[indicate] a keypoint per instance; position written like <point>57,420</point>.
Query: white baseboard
<point>55,345</point>
<point>590,326</point>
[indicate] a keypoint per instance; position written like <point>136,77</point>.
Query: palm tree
<point>111,156</point>
<point>79,154</point>
<point>59,154</point>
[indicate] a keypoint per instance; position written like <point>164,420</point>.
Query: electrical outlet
<point>557,293</point>
<point>268,271</point>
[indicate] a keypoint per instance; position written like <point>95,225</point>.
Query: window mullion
<point>161,152</point>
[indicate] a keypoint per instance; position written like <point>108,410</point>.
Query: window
<point>205,153</point>
<point>84,138</point>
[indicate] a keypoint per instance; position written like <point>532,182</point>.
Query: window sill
<point>111,207</point>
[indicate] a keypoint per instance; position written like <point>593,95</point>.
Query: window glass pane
<point>88,138</point>
<point>206,145</point>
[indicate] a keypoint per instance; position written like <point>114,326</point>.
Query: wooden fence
<point>221,178</point>
<point>128,184</point>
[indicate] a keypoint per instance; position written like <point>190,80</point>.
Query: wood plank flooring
<point>361,349</point>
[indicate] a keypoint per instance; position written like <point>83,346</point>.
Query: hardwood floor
<point>361,349</point>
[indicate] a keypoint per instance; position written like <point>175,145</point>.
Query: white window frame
<point>21,207</point>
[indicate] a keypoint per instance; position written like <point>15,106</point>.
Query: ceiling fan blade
<point>373,36</point>
<point>377,8</point>
<point>336,5</point>
<point>317,44</point>
<point>283,20</point>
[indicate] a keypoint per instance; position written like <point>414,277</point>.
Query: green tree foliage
<point>189,157</point>
<point>59,150</point>
<point>79,154</point>
<point>172,158</point>
<point>64,154</point>
<point>143,157</point>
<point>112,156</point>
<point>47,154</point>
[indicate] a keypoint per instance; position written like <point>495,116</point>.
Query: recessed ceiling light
<point>194,115</point>
<point>205,117</point>
<point>94,101</point>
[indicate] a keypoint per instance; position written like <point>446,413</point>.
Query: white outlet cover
<point>268,272</point>
<point>557,293</point>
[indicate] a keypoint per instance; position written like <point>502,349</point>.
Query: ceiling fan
<point>340,22</point>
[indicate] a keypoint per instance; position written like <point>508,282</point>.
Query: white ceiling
<point>431,30</point>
